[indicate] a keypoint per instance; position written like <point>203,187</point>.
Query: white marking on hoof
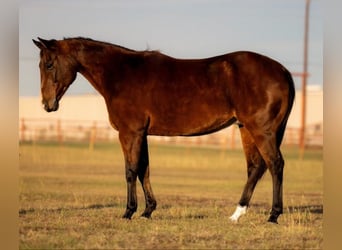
<point>238,212</point>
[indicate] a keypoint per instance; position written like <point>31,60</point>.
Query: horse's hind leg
<point>256,168</point>
<point>144,177</point>
<point>268,147</point>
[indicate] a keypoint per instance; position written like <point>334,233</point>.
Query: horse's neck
<point>93,59</point>
<point>92,67</point>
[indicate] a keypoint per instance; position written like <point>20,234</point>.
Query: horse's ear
<point>47,44</point>
<point>38,44</point>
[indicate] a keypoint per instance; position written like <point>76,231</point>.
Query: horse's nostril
<point>55,105</point>
<point>46,107</point>
<point>50,106</point>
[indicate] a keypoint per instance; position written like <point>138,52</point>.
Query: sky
<point>179,28</point>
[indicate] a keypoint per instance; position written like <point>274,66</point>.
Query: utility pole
<point>304,78</point>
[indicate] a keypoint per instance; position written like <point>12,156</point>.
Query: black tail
<point>291,97</point>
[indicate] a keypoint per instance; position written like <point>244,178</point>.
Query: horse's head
<point>58,69</point>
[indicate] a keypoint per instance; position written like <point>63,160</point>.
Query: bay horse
<point>149,93</point>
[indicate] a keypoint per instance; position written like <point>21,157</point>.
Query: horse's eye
<point>49,66</point>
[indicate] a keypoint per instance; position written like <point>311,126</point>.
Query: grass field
<point>73,198</point>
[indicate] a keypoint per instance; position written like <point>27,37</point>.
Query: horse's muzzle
<point>50,106</point>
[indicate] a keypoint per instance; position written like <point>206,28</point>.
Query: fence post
<point>22,130</point>
<point>59,132</point>
<point>92,136</point>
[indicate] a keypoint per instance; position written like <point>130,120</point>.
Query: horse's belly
<point>189,125</point>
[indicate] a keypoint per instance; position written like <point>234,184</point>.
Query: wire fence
<point>91,132</point>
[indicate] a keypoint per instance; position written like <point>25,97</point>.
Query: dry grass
<point>73,198</point>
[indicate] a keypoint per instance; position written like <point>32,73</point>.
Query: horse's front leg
<point>144,177</point>
<point>131,177</point>
<point>131,145</point>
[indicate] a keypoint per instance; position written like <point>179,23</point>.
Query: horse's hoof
<point>233,219</point>
<point>273,219</point>
<point>128,215</point>
<point>240,210</point>
<point>145,216</point>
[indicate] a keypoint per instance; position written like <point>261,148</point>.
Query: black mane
<point>86,39</point>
